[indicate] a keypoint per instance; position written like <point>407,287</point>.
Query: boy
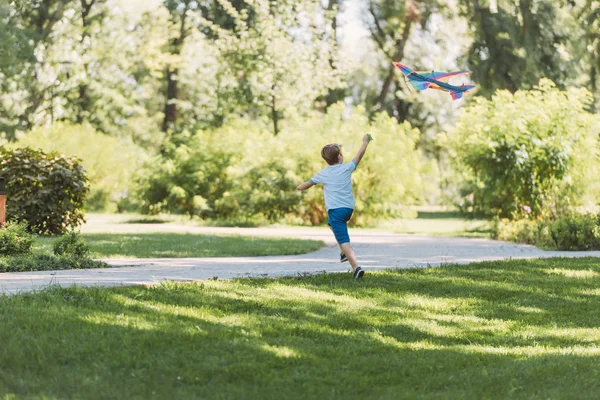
<point>339,198</point>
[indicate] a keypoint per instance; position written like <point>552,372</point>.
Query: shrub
<point>531,153</point>
<point>576,232</point>
<point>189,182</point>
<point>47,262</point>
<point>71,244</point>
<point>15,239</point>
<point>520,231</point>
<point>571,232</point>
<point>111,163</point>
<point>46,190</point>
<point>267,191</point>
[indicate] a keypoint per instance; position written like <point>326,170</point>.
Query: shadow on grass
<point>145,221</point>
<point>440,215</point>
<point>489,330</point>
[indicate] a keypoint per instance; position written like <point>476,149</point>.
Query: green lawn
<point>174,245</point>
<point>494,330</point>
<point>439,223</point>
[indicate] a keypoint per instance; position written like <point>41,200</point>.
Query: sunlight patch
<point>281,351</point>
<point>583,334</point>
<point>435,304</point>
<point>573,273</point>
<point>123,320</point>
<point>531,310</point>
<point>591,292</point>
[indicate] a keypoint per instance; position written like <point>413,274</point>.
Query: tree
<point>276,61</point>
<point>179,11</point>
<point>516,44</point>
<point>587,13</point>
<point>31,23</point>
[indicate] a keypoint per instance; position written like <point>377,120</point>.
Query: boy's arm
<point>362,150</point>
<point>305,185</point>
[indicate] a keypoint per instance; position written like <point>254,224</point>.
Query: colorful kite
<point>434,80</point>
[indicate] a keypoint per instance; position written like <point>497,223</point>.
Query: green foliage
<point>267,190</point>
<point>46,190</point>
<point>71,244</point>
<point>513,47</point>
<point>15,239</point>
<point>576,232</point>
<point>570,232</point>
<point>110,163</point>
<point>531,153</point>
<point>266,69</point>
<point>189,182</point>
<point>241,171</point>
<point>47,262</point>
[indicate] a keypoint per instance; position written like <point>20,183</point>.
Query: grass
<point>493,330</point>
<point>174,245</point>
<point>439,223</point>
<point>429,221</point>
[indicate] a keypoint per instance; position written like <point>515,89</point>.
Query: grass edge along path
<point>183,245</point>
<point>525,329</point>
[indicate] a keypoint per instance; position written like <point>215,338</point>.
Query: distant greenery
<point>228,103</point>
<point>220,176</point>
<point>495,330</point>
<point>110,163</point>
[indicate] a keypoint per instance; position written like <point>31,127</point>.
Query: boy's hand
<point>367,138</point>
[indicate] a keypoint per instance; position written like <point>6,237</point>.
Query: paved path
<point>376,250</point>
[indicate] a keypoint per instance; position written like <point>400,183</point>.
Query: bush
<point>47,262</point>
<point>188,182</point>
<point>46,190</point>
<point>570,233</point>
<point>15,239</point>
<point>111,163</point>
<point>527,154</point>
<point>577,232</point>
<point>71,244</point>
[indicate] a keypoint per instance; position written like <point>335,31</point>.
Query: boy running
<point>339,198</point>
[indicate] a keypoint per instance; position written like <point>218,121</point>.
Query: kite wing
<point>443,76</point>
<point>421,80</point>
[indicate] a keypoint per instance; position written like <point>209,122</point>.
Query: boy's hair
<point>331,152</point>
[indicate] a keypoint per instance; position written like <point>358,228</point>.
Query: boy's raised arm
<point>305,185</point>
<point>362,150</point>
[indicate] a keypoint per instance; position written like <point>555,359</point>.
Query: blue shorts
<point>338,217</point>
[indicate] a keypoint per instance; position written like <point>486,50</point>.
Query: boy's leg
<point>343,257</point>
<point>349,252</point>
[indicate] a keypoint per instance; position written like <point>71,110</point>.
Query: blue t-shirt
<point>337,185</point>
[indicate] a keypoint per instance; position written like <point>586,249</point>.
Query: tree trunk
<point>171,111</point>
<point>274,115</point>
<point>334,95</point>
<point>84,97</point>
<point>410,17</point>
<point>172,96</point>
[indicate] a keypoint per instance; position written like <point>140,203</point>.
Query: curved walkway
<point>375,250</point>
